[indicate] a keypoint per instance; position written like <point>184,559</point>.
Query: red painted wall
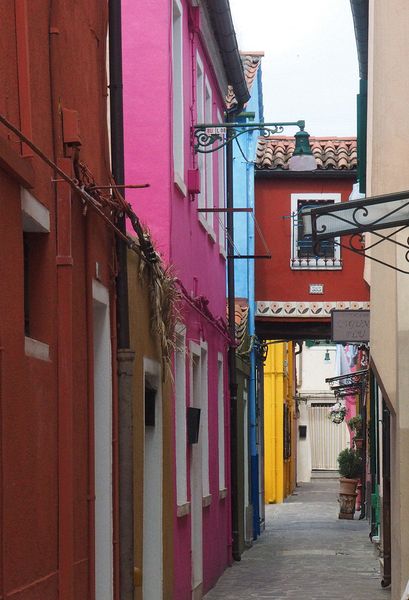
<point>46,407</point>
<point>275,280</point>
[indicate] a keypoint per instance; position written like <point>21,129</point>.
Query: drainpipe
<point>125,355</point>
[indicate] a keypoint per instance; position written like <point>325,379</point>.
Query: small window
<point>305,246</point>
<point>304,253</point>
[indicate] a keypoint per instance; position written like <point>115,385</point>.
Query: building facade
<point>181,82</point>
<point>299,287</point>
<point>381,41</point>
<point>244,150</point>
<point>59,457</point>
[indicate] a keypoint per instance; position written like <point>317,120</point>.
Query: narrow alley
<point>306,552</point>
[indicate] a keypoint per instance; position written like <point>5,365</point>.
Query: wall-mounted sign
<point>350,326</point>
<point>316,288</point>
<point>215,130</point>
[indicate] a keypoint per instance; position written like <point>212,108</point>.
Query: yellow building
<point>279,422</point>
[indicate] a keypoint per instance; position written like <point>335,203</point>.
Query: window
<point>220,404</point>
<point>180,407</point>
<point>209,157</point>
<point>204,114</point>
<point>222,195</point>
<point>36,226</point>
<point>201,200</point>
<point>305,254</point>
<point>177,71</point>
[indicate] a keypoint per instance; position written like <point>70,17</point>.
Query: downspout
<point>125,355</point>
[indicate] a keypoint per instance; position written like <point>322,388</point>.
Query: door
<point>327,438</point>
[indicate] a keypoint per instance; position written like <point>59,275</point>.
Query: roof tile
<point>331,153</point>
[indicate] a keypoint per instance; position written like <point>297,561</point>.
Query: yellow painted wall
<point>279,473</point>
<point>147,345</point>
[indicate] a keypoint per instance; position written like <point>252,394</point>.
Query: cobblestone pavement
<point>306,552</point>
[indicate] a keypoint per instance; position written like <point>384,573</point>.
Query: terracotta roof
<point>274,152</point>
<point>251,62</point>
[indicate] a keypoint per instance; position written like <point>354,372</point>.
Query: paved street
<point>306,552</point>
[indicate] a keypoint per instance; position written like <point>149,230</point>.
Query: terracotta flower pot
<point>358,443</point>
<point>347,486</point>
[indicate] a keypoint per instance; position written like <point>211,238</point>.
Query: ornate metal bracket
<point>205,136</point>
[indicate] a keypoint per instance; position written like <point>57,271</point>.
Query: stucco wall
<point>388,131</point>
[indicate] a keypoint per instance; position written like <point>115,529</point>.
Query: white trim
<point>222,195</point>
<point>36,217</point>
<point>221,421</point>
<point>319,264</point>
<point>200,117</point>
<point>99,292</point>
<point>36,349</point>
<point>102,361</point>
<point>178,100</point>
<point>196,479</point>
<point>180,415</point>
<point>180,184</point>
<point>153,490</point>
<point>204,417</point>
<point>209,200</point>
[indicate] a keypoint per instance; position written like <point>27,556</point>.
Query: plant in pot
<point>355,425</point>
<point>350,468</point>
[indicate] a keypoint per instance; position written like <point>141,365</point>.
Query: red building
<point>57,304</point>
<point>296,290</point>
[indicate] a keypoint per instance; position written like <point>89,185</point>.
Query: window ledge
<point>223,252</point>
<point>183,509</point>
<point>180,184</point>
<point>36,349</point>
<point>207,227</point>
<point>300,264</point>
<point>206,501</point>
<point>223,494</point>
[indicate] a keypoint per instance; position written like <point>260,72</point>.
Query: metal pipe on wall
<point>125,356</point>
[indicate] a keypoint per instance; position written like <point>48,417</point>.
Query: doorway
<point>104,558</point>
<point>327,438</point>
<point>152,484</point>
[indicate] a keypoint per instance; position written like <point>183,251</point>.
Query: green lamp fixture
<point>302,158</point>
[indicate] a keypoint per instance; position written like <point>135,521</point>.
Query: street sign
<point>350,326</point>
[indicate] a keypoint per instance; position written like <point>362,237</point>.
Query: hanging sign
<point>350,326</point>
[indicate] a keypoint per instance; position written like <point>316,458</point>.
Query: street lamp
<point>302,158</point>
<point>206,136</point>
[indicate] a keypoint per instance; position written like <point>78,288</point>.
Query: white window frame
<point>200,116</point>
<point>319,264</point>
<point>178,106</point>
<point>221,422</point>
<point>222,195</point>
<point>209,160</point>
<point>180,419</point>
<point>204,419</point>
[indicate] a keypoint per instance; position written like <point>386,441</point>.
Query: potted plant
<point>337,412</point>
<point>355,425</point>
<point>350,468</point>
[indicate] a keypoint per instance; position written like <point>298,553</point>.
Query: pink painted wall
<point>177,232</point>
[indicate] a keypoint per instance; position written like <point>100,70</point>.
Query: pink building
<point>178,59</point>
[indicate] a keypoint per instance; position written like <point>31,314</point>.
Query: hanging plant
<point>337,412</point>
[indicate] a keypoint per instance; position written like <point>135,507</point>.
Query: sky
<point>310,67</point>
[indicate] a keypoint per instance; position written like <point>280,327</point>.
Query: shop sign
<point>350,326</point>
